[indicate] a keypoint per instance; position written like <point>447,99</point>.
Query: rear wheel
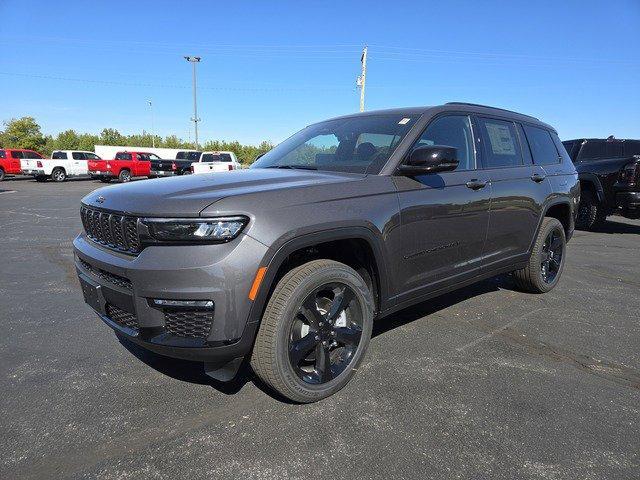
<point>1,174</point>
<point>125,176</point>
<point>315,331</point>
<point>590,211</point>
<point>547,259</point>
<point>58,175</point>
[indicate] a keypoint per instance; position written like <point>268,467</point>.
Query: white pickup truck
<point>62,165</point>
<point>211,162</point>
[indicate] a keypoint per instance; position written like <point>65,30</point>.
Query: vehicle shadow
<point>612,226</point>
<point>193,372</point>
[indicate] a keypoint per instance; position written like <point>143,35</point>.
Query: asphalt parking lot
<point>483,383</point>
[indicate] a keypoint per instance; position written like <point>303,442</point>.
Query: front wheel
<point>125,176</point>
<point>546,262</point>
<point>314,332</point>
<point>590,212</point>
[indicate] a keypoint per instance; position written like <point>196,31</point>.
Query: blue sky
<point>269,68</point>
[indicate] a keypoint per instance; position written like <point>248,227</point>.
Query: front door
<point>444,215</point>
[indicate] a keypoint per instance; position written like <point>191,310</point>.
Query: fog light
<point>183,303</point>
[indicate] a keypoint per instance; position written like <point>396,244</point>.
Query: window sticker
<point>502,142</point>
<point>404,121</point>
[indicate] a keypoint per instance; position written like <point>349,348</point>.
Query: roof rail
<point>487,106</point>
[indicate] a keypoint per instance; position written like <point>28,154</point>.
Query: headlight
<point>220,229</point>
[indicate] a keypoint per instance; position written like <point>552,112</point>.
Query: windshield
<point>357,144</point>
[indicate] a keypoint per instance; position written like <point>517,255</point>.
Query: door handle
<point>476,184</point>
<point>536,177</point>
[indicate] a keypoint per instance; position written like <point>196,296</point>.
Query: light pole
<point>195,118</point>
<point>153,135</point>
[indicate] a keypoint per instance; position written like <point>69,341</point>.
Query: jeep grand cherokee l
<point>288,263</point>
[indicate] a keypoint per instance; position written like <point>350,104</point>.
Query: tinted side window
<point>453,131</point>
<point>59,155</point>
<point>77,155</point>
<point>181,155</point>
<point>500,141</point>
<point>3,154</point>
<point>91,156</point>
<point>631,147</point>
<point>123,156</point>
<point>614,149</point>
<point>593,149</point>
<point>562,151</point>
<point>15,154</point>
<point>542,148</point>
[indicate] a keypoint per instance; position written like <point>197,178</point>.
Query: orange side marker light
<point>256,283</point>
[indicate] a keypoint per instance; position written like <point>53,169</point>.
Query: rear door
<point>14,161</point>
<point>518,191</point>
<point>443,216</point>
<point>77,164</point>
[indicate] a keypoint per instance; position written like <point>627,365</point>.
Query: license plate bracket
<point>92,293</point>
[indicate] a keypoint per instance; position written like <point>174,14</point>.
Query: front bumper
<point>120,288</point>
<point>628,203</point>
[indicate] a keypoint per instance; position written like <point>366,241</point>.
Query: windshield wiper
<point>295,167</point>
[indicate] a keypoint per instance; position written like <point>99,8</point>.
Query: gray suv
<point>288,263</point>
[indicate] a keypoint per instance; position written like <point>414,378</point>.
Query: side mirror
<point>431,159</point>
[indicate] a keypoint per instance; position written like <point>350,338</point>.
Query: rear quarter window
<point>543,149</point>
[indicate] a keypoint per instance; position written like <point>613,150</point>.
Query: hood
<point>188,195</point>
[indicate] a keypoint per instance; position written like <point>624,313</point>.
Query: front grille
<point>119,232</point>
<point>188,323</point>
<point>121,317</point>
<point>109,277</point>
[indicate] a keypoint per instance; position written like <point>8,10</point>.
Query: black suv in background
<point>609,172</point>
<point>288,263</point>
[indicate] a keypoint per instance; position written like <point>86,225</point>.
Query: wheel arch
<point>316,245</point>
<point>590,181</point>
<point>559,208</point>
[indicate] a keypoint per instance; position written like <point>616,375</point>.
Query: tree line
<point>26,133</point>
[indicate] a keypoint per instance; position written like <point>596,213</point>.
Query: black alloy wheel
<point>325,334</point>
<point>315,330</point>
<point>552,252</point>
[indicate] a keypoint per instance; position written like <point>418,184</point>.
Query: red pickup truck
<point>10,160</point>
<point>125,166</point>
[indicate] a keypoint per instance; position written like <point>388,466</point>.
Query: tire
<point>58,175</point>
<point>543,270</point>
<point>124,176</point>
<point>590,212</point>
<point>321,283</point>
<point>105,179</point>
<point>41,178</point>
<point>1,174</point>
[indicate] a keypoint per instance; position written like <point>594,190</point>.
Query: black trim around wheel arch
<point>275,262</point>
<point>547,206</point>
<point>593,179</point>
